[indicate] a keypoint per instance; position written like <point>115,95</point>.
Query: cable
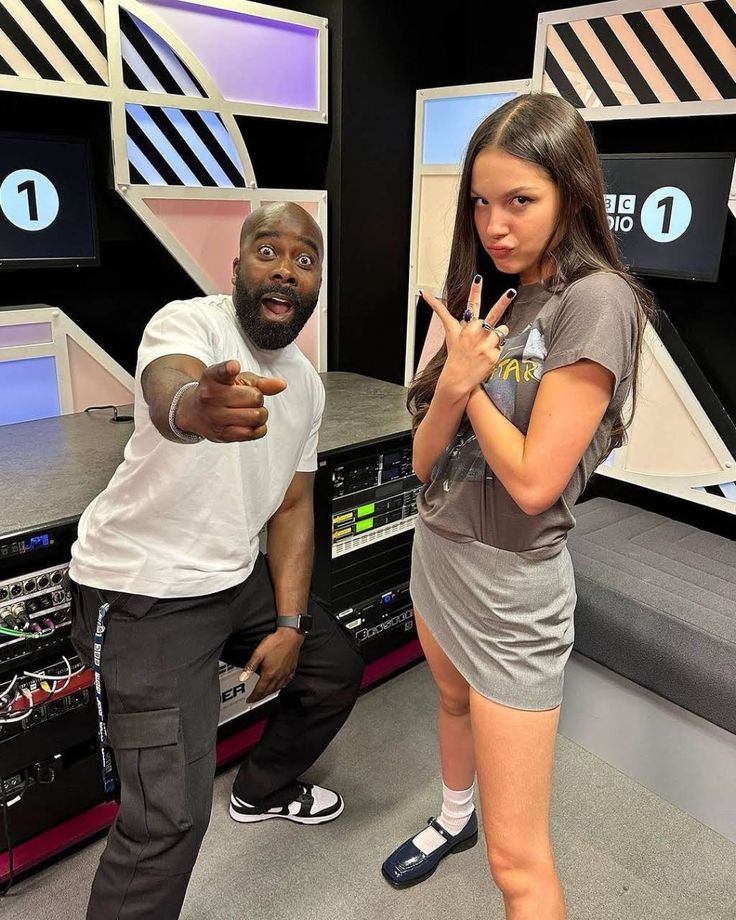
<point>49,694</point>
<point>8,841</point>
<point>37,675</point>
<point>67,677</point>
<point>16,718</point>
<point>43,633</point>
<point>29,698</point>
<point>115,416</point>
<point>69,670</point>
<point>16,633</point>
<point>10,686</point>
<point>7,706</point>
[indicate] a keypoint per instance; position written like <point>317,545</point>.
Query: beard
<point>268,333</point>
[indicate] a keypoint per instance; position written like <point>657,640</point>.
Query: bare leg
<point>456,735</point>
<point>514,751</point>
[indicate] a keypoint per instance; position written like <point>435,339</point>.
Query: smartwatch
<point>302,623</point>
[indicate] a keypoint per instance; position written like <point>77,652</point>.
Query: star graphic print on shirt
<point>521,365</point>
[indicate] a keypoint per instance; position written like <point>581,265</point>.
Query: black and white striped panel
<point>680,53</point>
<point>149,62</point>
<point>60,40</point>
<point>168,146</point>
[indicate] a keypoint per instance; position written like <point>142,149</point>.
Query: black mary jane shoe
<point>408,866</point>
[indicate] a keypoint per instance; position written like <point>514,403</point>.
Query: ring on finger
<point>501,335</point>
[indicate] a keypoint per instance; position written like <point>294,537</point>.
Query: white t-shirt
<point>180,520</point>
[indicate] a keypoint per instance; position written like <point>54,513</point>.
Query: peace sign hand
<point>473,348</point>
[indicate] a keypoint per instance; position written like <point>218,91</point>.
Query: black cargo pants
<point>160,673</point>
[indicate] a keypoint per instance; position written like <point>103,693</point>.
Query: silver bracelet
<point>185,436</point>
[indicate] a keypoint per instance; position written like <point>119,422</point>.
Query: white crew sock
<point>457,807</point>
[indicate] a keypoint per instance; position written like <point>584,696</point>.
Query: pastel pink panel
<point>432,343</point>
<point>92,384</point>
<point>308,340</point>
<point>208,230</point>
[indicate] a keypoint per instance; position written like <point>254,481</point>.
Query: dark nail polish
<point>511,293</point>
<point>477,279</point>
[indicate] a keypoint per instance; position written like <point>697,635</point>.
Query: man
<point>227,414</point>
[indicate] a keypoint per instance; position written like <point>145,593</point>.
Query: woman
<point>509,424</point>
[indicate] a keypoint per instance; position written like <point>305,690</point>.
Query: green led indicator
<point>365,510</point>
<point>364,525</point>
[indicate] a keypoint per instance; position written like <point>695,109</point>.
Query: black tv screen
<point>668,211</point>
<point>47,214</point>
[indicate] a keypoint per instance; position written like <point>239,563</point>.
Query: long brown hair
<point>547,131</point>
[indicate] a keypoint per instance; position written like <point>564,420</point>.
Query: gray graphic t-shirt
<point>594,318</point>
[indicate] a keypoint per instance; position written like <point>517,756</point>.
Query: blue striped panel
<point>198,146</point>
<point>220,132</point>
<point>162,143</point>
<point>143,166</point>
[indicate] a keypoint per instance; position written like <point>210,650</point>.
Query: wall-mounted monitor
<point>47,211</point>
<point>668,211</point>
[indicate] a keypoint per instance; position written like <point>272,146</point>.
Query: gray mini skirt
<point>504,620</point>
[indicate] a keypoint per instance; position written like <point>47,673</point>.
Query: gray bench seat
<point>657,604</point>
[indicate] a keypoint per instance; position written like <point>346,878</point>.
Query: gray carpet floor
<point>623,853</point>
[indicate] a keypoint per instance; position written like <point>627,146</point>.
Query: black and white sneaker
<point>313,805</point>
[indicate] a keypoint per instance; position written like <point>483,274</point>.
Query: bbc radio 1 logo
<point>665,215</point>
<point>621,210</point>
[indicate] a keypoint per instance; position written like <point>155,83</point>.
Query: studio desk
<point>365,503</point>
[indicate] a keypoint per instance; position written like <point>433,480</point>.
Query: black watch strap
<point>302,623</point>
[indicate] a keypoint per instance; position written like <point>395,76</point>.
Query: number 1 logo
<point>666,214</point>
<point>29,199</point>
